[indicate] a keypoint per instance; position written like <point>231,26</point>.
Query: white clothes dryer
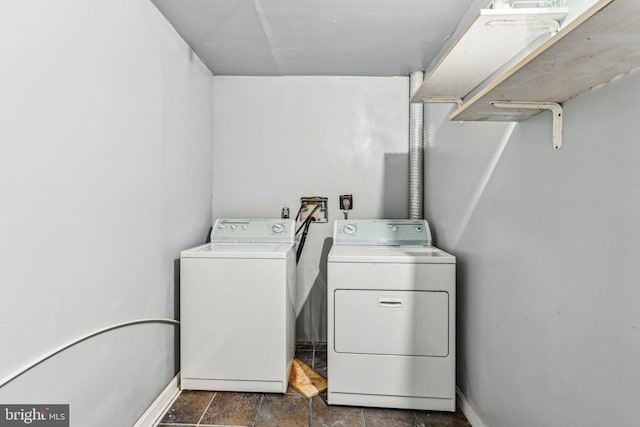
<point>391,316</point>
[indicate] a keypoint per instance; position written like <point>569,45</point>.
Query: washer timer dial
<point>277,228</point>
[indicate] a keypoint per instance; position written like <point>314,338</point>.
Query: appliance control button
<point>277,228</point>
<point>350,228</point>
<point>221,227</point>
<point>244,227</point>
<point>418,229</point>
<point>394,228</point>
<point>233,227</point>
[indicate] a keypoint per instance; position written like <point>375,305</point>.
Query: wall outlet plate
<point>346,202</point>
<point>308,204</point>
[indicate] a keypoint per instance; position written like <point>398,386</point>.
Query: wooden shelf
<point>492,39</point>
<point>600,45</point>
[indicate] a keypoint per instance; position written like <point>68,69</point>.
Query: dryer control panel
<point>253,231</point>
<point>385,232</point>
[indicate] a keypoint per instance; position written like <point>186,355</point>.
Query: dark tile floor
<point>207,408</point>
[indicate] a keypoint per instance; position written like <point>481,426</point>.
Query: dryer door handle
<point>390,302</point>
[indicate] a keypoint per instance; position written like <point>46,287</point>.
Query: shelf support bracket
<point>555,108</point>
<point>443,101</point>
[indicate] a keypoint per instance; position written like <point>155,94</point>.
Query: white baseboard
<point>154,413</point>
<point>468,410</point>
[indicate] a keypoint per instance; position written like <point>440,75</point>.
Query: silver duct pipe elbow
<point>416,126</point>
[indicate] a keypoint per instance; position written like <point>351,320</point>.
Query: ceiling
<point>315,37</point>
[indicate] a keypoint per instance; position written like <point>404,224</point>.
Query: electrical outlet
<point>308,205</point>
<point>346,202</point>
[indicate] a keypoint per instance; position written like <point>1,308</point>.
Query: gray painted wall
<point>549,325</point>
<point>279,138</point>
<point>105,174</point>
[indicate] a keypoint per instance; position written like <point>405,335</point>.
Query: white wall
<point>547,244</point>
<point>279,138</point>
<point>105,174</point>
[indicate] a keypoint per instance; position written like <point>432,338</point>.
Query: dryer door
<point>407,323</point>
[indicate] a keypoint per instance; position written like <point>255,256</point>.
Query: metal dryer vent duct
<point>416,126</point>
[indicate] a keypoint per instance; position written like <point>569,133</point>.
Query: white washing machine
<point>237,297</point>
<point>391,317</point>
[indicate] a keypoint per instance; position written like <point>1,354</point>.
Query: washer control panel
<point>253,231</point>
<point>396,232</point>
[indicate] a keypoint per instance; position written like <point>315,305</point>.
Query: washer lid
<point>239,251</point>
<point>390,254</point>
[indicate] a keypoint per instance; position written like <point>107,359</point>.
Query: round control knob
<point>221,227</point>
<point>418,229</point>
<point>394,228</point>
<point>277,228</point>
<point>233,227</point>
<point>244,227</point>
<point>350,228</point>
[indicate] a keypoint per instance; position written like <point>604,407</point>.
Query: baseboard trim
<point>468,410</point>
<point>163,402</point>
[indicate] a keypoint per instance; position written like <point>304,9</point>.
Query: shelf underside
<point>605,46</point>
<point>494,37</point>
